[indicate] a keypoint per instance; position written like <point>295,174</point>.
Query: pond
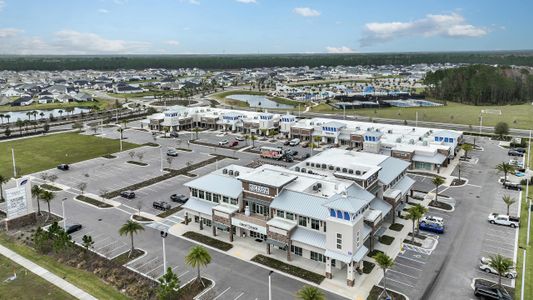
<point>14,115</point>
<point>258,101</point>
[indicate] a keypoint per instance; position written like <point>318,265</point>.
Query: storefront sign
<point>248,225</point>
<point>258,189</point>
<point>16,202</point>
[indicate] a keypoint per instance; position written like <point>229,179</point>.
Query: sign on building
<point>16,202</point>
<point>258,189</point>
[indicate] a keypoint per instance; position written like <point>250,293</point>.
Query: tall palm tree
<point>41,115</point>
<point>130,228</point>
<point>310,293</point>
<point>48,197</point>
<point>34,113</point>
<point>36,192</point>
<point>29,115</point>
<point>253,138</point>
<point>422,210</point>
<point>3,180</point>
<point>437,181</point>
<point>413,214</point>
<point>198,257</point>
<point>505,168</point>
<point>384,262</point>
<point>508,201</point>
<point>7,117</point>
<point>2,118</point>
<point>502,265</point>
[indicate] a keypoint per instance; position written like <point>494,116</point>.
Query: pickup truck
<point>505,220</point>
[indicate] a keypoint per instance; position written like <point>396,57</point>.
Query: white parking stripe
<point>218,296</point>
<point>242,293</point>
<point>500,244</point>
<point>399,264</point>
<point>409,285</point>
<point>415,260</point>
<point>147,273</point>
<point>391,270</point>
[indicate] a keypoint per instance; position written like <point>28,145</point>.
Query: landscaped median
<point>93,201</point>
<point>207,240</point>
<point>289,269</point>
<point>50,188</point>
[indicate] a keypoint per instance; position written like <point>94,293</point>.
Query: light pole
<point>270,285</point>
<point>14,165</point>
<point>121,131</point>
<point>416,122</point>
<point>480,121</point>
<point>164,234</point>
<point>64,216</point>
<point>161,157</point>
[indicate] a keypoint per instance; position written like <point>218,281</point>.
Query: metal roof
<point>218,184</point>
<point>381,205</point>
<point>391,168</point>
<point>301,204</point>
<point>404,185</point>
<point>435,159</point>
<point>309,237</point>
<point>281,223</point>
<point>201,206</point>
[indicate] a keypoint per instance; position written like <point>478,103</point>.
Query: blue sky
<point>261,26</point>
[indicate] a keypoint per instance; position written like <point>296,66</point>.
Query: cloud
<point>103,11</point>
<point>342,49</point>
<point>451,25</point>
<point>246,1</point>
<point>306,12</point>
<point>172,43</point>
<point>9,32</point>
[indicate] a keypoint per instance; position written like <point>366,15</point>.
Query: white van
<point>294,142</point>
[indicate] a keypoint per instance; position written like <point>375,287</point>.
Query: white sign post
<point>16,202</point>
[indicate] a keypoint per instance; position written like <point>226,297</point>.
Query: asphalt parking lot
<point>407,270</point>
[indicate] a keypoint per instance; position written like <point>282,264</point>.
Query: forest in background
<point>112,62</point>
<point>481,85</point>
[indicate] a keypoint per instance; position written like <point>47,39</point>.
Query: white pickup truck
<point>505,220</point>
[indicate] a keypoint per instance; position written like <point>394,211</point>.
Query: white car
<point>223,142</point>
<point>432,220</point>
<point>487,268</point>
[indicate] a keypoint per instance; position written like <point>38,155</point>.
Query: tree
<point>422,210</point>
<point>87,242</point>
<point>140,156</point>
<point>413,214</point>
<point>130,228</point>
<point>169,285</point>
<point>502,265</point>
<point>501,129</point>
<point>310,293</point>
<point>82,186</point>
<point>131,154</point>
<point>196,131</point>
<point>508,202</point>
<point>253,138</point>
<point>505,168</point>
<point>467,148</point>
<point>198,257</point>
<point>384,262</point>
<point>48,197</point>
<point>36,193</point>
<point>169,161</point>
<point>437,181</point>
<point>3,180</point>
<point>46,127</point>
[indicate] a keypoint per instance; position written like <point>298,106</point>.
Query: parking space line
<point>409,285</point>
<point>391,270</point>
<point>500,238</point>
<point>502,245</point>
<point>504,250</point>
<point>147,273</point>
<point>142,265</point>
<point>218,296</point>
<point>498,231</point>
<point>397,263</point>
<point>242,293</point>
<point>415,260</point>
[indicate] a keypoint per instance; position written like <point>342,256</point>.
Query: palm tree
<point>506,168</point>
<point>42,115</point>
<point>467,148</point>
<point>34,113</point>
<point>130,228</point>
<point>413,214</point>
<point>2,181</point>
<point>253,138</point>
<point>60,112</point>
<point>310,293</point>
<point>508,201</point>
<point>384,262</point>
<point>7,117</point>
<point>29,115</point>
<point>36,192</point>
<point>2,118</point>
<point>502,265</point>
<point>48,197</point>
<point>198,257</point>
<point>437,181</point>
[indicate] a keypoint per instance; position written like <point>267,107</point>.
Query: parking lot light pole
<point>164,234</point>
<point>161,157</point>
<point>64,216</point>
<point>14,165</point>
<point>270,285</point>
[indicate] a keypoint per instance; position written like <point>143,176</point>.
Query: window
<point>208,196</point>
<point>339,214</point>
<point>296,250</point>
<point>234,201</point>
<point>302,221</point>
<point>194,192</point>
<point>346,216</point>
<point>339,241</point>
<point>280,213</point>
<point>216,198</point>
<point>315,224</point>
<point>317,257</point>
<point>201,195</point>
<point>289,216</point>
<point>225,199</point>
<point>332,213</point>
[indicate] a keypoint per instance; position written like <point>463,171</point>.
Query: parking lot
<point>407,270</point>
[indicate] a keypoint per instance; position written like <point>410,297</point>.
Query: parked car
<point>178,198</point>
<point>161,205</point>
<point>223,142</point>
<point>234,143</point>
<point>63,167</point>
<point>488,269</point>
<point>306,156</point>
<point>490,291</point>
<point>174,134</point>
<point>495,218</point>
<point>515,153</point>
<point>239,138</point>
<point>305,144</point>
<point>432,219</point>
<point>431,227</point>
<point>73,228</point>
<point>294,142</point>
<point>172,152</point>
<point>512,186</point>
<point>521,150</point>
<point>127,194</point>
<point>286,143</point>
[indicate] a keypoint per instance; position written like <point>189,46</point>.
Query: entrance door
<point>260,209</point>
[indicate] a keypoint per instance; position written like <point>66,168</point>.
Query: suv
<point>63,167</point>
<point>127,194</point>
<point>512,186</point>
<point>490,292</point>
<point>161,205</point>
<point>432,219</point>
<point>172,152</point>
<point>174,134</point>
<point>178,198</point>
<point>515,153</point>
<point>239,138</point>
<point>487,268</point>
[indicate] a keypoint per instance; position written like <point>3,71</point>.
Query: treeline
<point>18,63</point>
<point>481,85</point>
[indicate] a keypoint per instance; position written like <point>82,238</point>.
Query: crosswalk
<point>166,223</point>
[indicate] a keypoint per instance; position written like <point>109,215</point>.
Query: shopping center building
<point>329,208</point>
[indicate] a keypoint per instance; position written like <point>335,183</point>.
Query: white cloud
<point>103,11</point>
<point>246,1</point>
<point>172,43</point>
<point>342,49</point>
<point>306,12</point>
<point>9,32</point>
<point>452,25</point>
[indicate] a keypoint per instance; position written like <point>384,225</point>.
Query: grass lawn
<point>102,104</point>
<point>522,241</point>
<point>144,94</point>
<point>82,279</point>
<point>204,239</point>
<point>27,285</point>
<point>451,113</point>
<point>45,152</point>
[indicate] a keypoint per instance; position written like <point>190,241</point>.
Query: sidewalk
<point>45,274</point>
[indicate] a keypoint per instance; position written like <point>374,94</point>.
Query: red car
<point>234,143</point>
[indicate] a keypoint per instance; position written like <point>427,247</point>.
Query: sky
<point>262,26</point>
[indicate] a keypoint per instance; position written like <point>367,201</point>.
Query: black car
<point>174,134</point>
<point>178,198</point>
<point>487,291</point>
<point>512,186</point>
<point>63,167</point>
<point>306,156</point>
<point>127,194</point>
<point>73,228</point>
<point>521,150</point>
<point>161,205</point>
<point>515,153</point>
<point>286,143</point>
